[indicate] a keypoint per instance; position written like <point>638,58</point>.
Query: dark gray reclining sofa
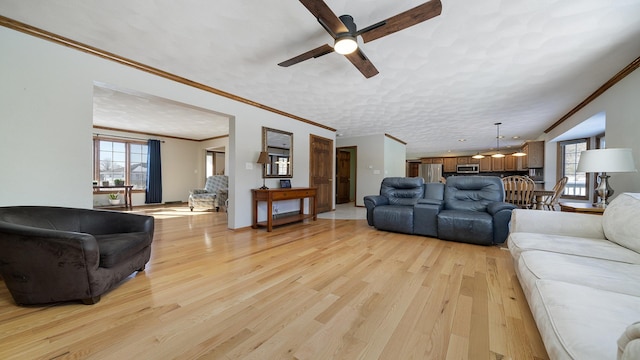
<point>468,209</point>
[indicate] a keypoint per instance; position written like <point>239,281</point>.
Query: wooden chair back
<point>518,190</point>
<point>550,202</point>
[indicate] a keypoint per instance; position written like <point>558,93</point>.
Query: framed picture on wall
<point>285,184</point>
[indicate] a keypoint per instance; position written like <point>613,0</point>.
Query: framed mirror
<point>278,145</point>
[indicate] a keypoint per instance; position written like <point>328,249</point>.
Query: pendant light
<point>498,154</point>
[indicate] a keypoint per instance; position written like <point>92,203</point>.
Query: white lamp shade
<point>606,160</point>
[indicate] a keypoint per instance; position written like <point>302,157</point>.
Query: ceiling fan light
<point>345,44</point>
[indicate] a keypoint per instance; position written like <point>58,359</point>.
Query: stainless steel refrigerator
<point>430,172</point>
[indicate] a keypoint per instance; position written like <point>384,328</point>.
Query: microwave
<point>468,169</point>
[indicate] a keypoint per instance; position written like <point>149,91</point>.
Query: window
<point>125,160</point>
<point>570,156</point>
<point>282,165</point>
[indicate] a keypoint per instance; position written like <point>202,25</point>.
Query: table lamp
<point>605,161</point>
<point>264,160</point>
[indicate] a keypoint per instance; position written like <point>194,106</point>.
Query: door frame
<point>354,174</point>
<point>332,195</point>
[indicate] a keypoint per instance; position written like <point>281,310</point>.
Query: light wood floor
<point>329,289</point>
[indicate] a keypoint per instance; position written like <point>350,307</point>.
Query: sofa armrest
<point>629,343</point>
<point>370,202</point>
<point>199,191</point>
<point>102,222</point>
<point>436,202</point>
<point>557,223</point>
<point>68,246</point>
<point>375,200</point>
<point>494,207</point>
<point>501,213</point>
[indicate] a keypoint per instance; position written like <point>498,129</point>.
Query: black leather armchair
<point>54,254</point>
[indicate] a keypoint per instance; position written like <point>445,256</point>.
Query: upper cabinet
<point>486,164</point>
<point>535,155</point>
<point>510,163</point>
<point>450,164</point>
<point>533,160</point>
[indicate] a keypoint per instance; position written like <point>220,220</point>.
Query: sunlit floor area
<point>324,289</point>
<point>347,211</point>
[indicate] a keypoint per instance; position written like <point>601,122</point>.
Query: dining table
<point>539,196</point>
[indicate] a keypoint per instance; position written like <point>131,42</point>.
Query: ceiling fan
<point>344,32</point>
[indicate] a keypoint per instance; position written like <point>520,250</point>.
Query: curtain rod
<point>123,137</point>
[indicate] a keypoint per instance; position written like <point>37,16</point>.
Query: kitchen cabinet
<point>485,164</point>
<point>450,164</point>
<point>497,164</point>
<point>510,163</point>
<point>535,155</point>
<point>464,160</point>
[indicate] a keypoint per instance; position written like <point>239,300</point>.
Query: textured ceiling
<point>524,63</point>
<point>129,110</point>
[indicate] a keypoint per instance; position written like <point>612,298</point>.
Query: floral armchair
<point>214,194</point>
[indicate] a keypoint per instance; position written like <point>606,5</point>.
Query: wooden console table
<point>97,189</point>
<point>271,195</point>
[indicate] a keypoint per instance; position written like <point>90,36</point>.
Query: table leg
<point>254,215</point>
<point>269,214</point>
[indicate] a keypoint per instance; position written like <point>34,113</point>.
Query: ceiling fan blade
<point>317,52</point>
<point>404,20</point>
<point>360,61</point>
<point>325,16</point>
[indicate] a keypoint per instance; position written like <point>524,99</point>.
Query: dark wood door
<point>343,186</point>
<point>321,171</point>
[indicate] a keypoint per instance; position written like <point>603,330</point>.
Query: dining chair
<point>550,202</point>
<point>518,190</point>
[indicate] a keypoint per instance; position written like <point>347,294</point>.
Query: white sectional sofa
<point>581,276</point>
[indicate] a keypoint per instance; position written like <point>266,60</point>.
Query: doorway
<point>214,163</point>
<point>321,171</point>
<point>346,159</point>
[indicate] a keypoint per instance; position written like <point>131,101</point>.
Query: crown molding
<point>42,34</point>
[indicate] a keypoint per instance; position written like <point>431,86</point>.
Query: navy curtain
<point>154,173</point>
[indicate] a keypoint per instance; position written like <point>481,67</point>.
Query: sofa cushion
<point>472,192</point>
<point>115,248</point>
<point>620,221</point>
<point>467,226</point>
<point>580,322</point>
<point>596,273</point>
<point>398,218</point>
<point>595,248</point>
<point>402,190</point>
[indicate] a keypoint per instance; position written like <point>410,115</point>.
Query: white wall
<point>622,107</point>
<point>395,156</point>
<point>370,163</point>
<point>46,128</point>
<point>44,152</point>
